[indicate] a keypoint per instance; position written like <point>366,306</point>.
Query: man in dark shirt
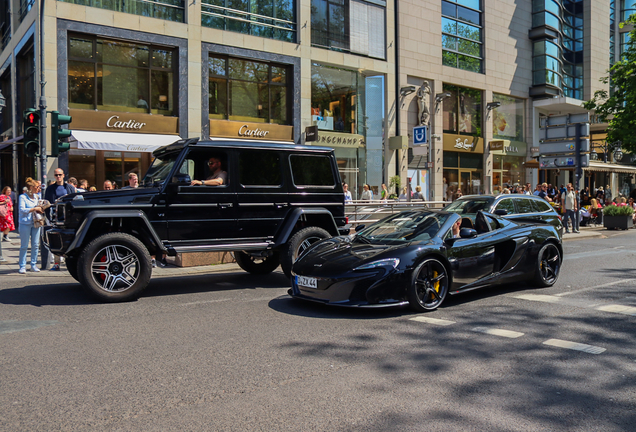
<point>543,192</point>
<point>53,192</point>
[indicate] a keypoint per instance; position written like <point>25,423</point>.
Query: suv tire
<point>255,264</point>
<point>115,267</point>
<point>298,243</point>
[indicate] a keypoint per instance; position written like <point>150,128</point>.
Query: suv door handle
<point>226,205</point>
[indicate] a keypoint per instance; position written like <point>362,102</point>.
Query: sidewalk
<point>11,251</point>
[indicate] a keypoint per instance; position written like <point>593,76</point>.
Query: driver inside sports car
<point>457,228</point>
<point>217,177</point>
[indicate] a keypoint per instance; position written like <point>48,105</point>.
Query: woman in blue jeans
<point>28,204</point>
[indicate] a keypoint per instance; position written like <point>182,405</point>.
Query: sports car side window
<point>525,206</point>
<point>507,205</point>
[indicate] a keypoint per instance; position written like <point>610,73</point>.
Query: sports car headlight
<point>389,262</point>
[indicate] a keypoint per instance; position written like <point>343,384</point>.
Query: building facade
<point>137,75</point>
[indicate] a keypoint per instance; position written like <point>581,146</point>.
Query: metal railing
<point>368,212</point>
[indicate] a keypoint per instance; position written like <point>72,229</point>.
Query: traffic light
<point>58,134</point>
<point>31,132</point>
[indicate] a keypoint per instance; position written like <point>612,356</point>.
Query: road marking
<point>612,251</point>
<point>625,310</point>
<point>12,326</point>
<point>439,322</point>
<point>538,297</point>
<point>596,287</point>
<point>205,301</point>
<point>498,332</point>
<point>590,349</point>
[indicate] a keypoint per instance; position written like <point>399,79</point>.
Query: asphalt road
<point>232,352</point>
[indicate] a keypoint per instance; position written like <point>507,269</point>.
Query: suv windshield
<point>160,169</point>
<point>470,205</point>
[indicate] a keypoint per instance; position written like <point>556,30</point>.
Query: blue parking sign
<point>420,135</point>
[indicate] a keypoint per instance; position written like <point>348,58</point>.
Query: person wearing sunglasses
<point>217,176</point>
<point>53,192</point>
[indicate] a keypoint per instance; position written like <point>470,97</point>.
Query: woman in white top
<point>28,204</point>
<point>367,194</point>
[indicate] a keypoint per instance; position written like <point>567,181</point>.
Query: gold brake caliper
<point>436,285</point>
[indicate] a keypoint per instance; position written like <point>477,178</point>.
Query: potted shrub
<point>618,216</point>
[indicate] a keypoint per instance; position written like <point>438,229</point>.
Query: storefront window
<point>82,164</point>
<point>246,90</point>
<point>507,119</point>
<point>462,111</point>
<point>334,98</point>
<point>108,75</point>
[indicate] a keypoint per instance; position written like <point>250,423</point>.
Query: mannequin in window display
<point>423,97</point>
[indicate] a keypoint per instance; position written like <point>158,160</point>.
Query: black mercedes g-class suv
<point>277,200</point>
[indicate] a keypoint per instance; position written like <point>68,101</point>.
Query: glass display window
<point>335,101</point>
<point>508,118</point>
<point>462,110</point>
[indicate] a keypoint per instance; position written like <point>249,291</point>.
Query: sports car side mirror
<point>501,212</point>
<point>467,233</point>
<point>360,227</point>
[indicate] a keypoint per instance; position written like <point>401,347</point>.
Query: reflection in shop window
<point>334,98</point>
<point>246,90</point>
<point>120,76</point>
<point>462,111</point>
<point>507,119</point>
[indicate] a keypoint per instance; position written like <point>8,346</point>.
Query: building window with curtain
<point>247,90</point>
<point>351,26</point>
<point>462,34</point>
<point>264,18</point>
<point>109,75</point>
<point>170,10</point>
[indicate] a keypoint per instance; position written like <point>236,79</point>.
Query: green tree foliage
<point>618,107</point>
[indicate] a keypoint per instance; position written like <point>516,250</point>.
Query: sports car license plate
<point>308,282</point>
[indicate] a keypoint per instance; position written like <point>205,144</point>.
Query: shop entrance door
<point>470,182</point>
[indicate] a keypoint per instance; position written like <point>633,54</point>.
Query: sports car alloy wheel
<point>429,286</point>
<point>549,265</point>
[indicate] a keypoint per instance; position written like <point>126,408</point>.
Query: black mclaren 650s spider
<point>417,257</point>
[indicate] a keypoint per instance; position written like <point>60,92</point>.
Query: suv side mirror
<point>501,212</point>
<point>181,179</point>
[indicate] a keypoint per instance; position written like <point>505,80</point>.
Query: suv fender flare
<point>286,231</point>
<point>82,231</point>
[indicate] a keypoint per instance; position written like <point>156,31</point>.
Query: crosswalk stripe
<point>538,297</point>
<point>625,310</point>
<point>439,322</point>
<point>498,332</point>
<point>591,349</point>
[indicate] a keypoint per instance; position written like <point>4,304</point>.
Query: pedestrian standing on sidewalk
<point>6,223</point>
<point>4,209</point>
<point>28,205</point>
<point>57,190</point>
<point>569,203</point>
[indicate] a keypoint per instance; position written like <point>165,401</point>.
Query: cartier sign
<point>115,123</point>
<point>109,121</point>
<point>250,130</point>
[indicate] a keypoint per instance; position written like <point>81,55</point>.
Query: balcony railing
<point>169,10</point>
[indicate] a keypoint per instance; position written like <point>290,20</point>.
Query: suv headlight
<point>60,213</point>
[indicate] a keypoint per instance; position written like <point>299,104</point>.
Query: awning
<point>124,142</point>
<point>532,163</point>
<point>608,167</point>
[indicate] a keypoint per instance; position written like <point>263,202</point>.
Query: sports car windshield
<point>159,170</point>
<point>469,206</point>
<point>408,226</point>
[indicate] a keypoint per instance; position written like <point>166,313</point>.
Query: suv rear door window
<point>507,205</point>
<point>540,206</point>
<point>260,168</point>
<point>311,171</point>
<point>525,206</point>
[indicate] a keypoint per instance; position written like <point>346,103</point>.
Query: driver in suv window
<point>217,177</point>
